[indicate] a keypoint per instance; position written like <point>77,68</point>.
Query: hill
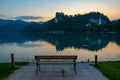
<point>71,23</point>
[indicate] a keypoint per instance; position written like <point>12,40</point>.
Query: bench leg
<point>39,67</point>
<point>75,68</point>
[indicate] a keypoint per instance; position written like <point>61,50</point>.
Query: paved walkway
<point>84,72</point>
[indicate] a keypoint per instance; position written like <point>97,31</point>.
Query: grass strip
<point>6,69</point>
<point>110,69</point>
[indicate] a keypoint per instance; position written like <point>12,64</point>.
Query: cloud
<point>28,17</point>
<point>2,16</point>
<point>5,17</point>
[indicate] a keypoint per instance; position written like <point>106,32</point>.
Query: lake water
<point>85,46</point>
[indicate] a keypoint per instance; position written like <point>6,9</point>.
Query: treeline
<point>111,27</point>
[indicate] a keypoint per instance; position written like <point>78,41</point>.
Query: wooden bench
<point>53,59</point>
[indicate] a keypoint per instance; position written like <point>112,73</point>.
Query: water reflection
<point>91,42</point>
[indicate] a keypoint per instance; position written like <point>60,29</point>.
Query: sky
<point>37,10</point>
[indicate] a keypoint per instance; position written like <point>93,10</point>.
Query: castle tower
<point>59,16</point>
<point>100,21</point>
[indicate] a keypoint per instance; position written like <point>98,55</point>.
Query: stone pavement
<point>84,72</point>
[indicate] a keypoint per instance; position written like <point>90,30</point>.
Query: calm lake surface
<point>86,46</point>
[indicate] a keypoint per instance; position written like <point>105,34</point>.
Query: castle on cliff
<point>96,20</point>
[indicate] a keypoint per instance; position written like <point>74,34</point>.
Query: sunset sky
<point>46,9</point>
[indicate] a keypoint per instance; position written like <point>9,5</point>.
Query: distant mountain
<point>115,20</point>
<point>13,25</point>
<point>3,22</point>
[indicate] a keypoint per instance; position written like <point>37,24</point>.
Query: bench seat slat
<point>56,62</point>
<point>55,57</point>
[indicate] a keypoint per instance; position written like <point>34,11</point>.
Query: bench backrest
<point>74,57</point>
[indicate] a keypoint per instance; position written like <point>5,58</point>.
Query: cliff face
<point>95,18</point>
